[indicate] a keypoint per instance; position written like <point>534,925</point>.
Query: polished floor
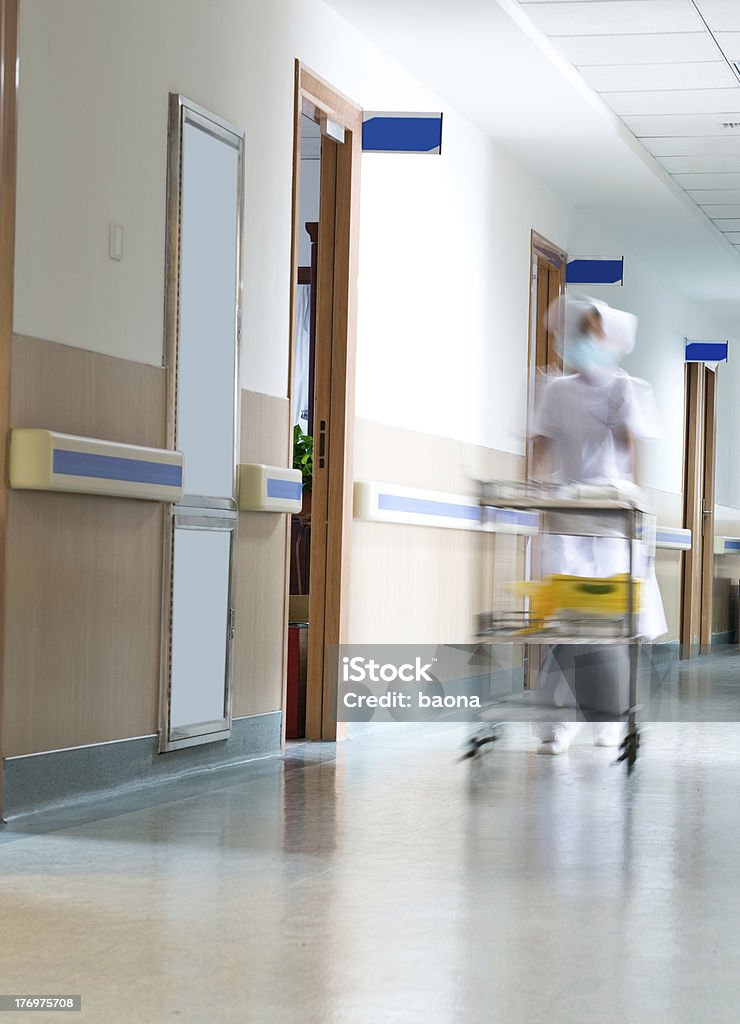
<point>382,880</point>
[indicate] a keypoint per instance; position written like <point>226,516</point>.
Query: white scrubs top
<point>584,421</point>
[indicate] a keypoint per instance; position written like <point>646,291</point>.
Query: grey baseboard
<point>42,781</point>
<point>726,639</point>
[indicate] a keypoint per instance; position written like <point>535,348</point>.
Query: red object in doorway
<point>295,699</point>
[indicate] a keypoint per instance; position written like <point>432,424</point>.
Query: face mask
<point>593,359</point>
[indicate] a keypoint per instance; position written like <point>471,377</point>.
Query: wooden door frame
<point>8,177</point>
<point>707,512</point>
<point>697,568</point>
<point>336,317</point>
<point>539,247</point>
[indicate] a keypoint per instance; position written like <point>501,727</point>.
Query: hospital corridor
<point>370,511</point>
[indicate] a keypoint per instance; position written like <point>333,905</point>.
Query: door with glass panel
<point>205,171</point>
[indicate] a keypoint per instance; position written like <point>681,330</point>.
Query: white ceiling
<point>666,68</point>
<point>489,60</point>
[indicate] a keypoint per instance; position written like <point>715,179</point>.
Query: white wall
<point>665,319</point>
<point>94,80</point>
<point>444,241</point>
<point>727,483</point>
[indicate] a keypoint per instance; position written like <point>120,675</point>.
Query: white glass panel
<point>199,626</point>
<point>206,361</point>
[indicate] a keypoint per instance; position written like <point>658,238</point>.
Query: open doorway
<point>547,283</point>
<point>548,265</point>
<point>697,570</point>
<point>326,165</point>
<point>302,391</point>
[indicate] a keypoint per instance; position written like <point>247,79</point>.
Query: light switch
<point>115,241</point>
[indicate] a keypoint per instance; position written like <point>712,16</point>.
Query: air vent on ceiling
<point>731,124</point>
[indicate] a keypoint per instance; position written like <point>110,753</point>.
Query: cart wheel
<point>629,747</point>
<point>476,743</point>
<point>471,750</point>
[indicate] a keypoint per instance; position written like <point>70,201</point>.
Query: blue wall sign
<point>401,133</point>
<point>705,351</point>
<point>595,270</point>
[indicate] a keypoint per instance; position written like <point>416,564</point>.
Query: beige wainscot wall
<point>84,573</point>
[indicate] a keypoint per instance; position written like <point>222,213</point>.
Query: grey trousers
<point>589,682</point>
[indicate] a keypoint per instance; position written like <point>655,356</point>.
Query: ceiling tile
<point>721,15</point>
<point>710,74</point>
<point>675,101</point>
<point>701,164</point>
<point>716,210</point>
<point>730,43</point>
<point>679,124</point>
<point>715,197</point>
<point>605,17</point>
<point>585,50</point>
<point>727,144</point>
<point>733,236</point>
<point>713,181</point>
<point>727,223</point>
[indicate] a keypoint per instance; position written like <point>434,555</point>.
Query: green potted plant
<point>303,460</point>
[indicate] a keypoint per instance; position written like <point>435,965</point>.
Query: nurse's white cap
<point>620,327</point>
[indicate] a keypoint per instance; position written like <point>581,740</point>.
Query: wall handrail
<point>46,460</point>
<point>412,506</point>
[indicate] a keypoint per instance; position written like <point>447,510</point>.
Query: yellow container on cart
<point>560,596</point>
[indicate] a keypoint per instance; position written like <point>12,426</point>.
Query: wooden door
<point>548,264</point>
<point>547,283</point>
<point>333,401</point>
<point>697,570</point>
